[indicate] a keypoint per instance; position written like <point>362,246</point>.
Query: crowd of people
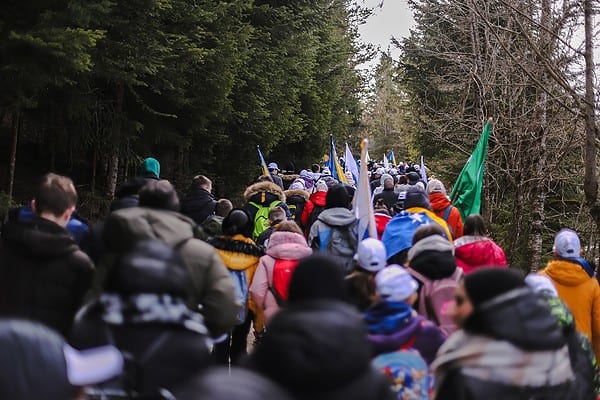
<point>189,297</point>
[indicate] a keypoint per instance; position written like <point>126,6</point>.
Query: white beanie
<point>394,283</point>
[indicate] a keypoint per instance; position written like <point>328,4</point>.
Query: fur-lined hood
<point>261,187</point>
<point>302,193</point>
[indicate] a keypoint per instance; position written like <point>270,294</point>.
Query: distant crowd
<point>188,297</point>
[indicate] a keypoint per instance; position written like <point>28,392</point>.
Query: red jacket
<point>317,198</point>
<point>439,203</point>
<point>473,252</point>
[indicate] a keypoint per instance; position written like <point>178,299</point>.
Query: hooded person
<point>240,255</point>
<point>370,258</point>
<point>143,311</point>
<point>509,345</point>
<point>260,198</point>
<point>126,195</point>
<point>574,280</point>
<point>414,179</point>
<point>399,232</point>
<point>270,284</point>
<point>475,249</point>
<point>37,363</point>
<point>156,218</point>
<point>431,261</point>
<point>441,206</point>
<point>335,231</point>
<point>392,322</point>
<point>307,178</point>
<point>581,353</point>
<point>296,198</point>
<point>314,206</point>
<point>318,350</point>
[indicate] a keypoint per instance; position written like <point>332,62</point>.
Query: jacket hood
<point>337,216</point>
<point>288,246</point>
<point>237,252</point>
<point>520,317</point>
<point>301,193</point>
<point>439,202</point>
<point>263,187</point>
<point>482,252</point>
<point>388,317</point>
<point>124,228</point>
<point>38,237</point>
<point>318,198</point>
<point>567,273</point>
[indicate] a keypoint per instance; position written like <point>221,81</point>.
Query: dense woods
<point>89,88</point>
<point>527,64</point>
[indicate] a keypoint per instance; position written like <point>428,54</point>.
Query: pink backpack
<point>436,297</point>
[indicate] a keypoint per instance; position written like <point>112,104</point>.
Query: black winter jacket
<point>44,276</point>
<point>198,204</point>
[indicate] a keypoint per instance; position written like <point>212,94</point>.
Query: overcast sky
<point>393,19</point>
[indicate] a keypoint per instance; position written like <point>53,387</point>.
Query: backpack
<point>282,274</point>
<point>436,297</point>
<point>261,218</point>
<point>240,282</point>
<point>339,242</point>
<point>407,372</point>
<point>314,215</point>
<point>445,218</point>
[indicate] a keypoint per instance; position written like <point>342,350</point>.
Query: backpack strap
<point>447,213</point>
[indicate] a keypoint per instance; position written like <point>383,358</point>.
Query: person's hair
<point>388,183</point>
<point>474,226</point>
<point>427,230</point>
<point>402,180</point>
<point>55,194</point>
<point>223,207</point>
<point>159,194</point>
<point>264,178</point>
<point>380,207</point>
<point>315,168</point>
<point>276,214</point>
<point>200,182</point>
<point>288,226</point>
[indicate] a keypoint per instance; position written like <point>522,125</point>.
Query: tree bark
<point>113,159</point>
<point>13,153</point>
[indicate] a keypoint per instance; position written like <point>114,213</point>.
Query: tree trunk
<point>94,169</point>
<point>13,153</point>
<point>590,180</point>
<point>113,160</point>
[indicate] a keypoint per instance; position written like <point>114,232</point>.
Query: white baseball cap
<point>394,283</point>
<point>371,255</point>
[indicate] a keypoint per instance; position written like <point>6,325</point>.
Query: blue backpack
<point>407,372</point>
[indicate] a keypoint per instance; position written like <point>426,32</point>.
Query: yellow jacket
<point>581,293</point>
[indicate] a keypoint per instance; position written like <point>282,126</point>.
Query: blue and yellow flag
<point>392,158</point>
<point>263,164</point>
<point>334,166</point>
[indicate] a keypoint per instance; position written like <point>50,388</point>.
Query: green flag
<point>466,193</point>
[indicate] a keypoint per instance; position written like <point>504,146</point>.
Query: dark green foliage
<point>101,84</point>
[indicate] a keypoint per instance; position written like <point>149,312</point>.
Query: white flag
<point>351,165</point>
<point>363,208</point>
<point>423,171</point>
<point>386,163</point>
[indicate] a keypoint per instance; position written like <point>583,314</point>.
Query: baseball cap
<point>326,171</point>
<point>566,244</point>
<point>394,283</point>
<point>273,166</point>
<point>541,283</point>
<point>380,171</point>
<point>413,176</point>
<point>371,255</point>
<point>435,186</point>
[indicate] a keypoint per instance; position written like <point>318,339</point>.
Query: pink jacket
<point>282,245</point>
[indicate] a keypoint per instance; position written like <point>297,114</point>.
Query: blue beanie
<point>152,166</point>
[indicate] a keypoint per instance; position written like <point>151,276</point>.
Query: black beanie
<point>317,277</point>
<point>416,197</point>
<point>237,222</point>
<point>486,283</point>
<point>337,196</point>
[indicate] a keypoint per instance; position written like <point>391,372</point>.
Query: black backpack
<point>314,215</point>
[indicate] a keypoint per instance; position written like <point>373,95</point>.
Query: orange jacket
<point>581,293</point>
<point>439,203</point>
